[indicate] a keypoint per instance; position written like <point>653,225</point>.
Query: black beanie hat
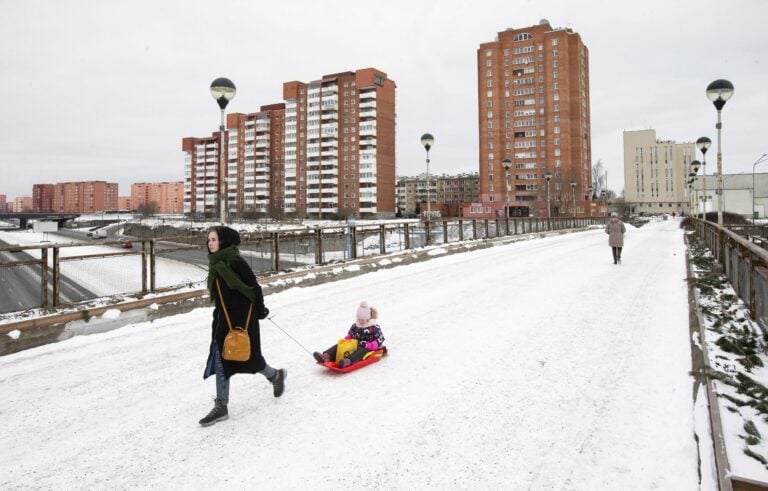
<point>227,236</point>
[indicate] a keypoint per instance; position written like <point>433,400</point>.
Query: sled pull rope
<point>286,333</point>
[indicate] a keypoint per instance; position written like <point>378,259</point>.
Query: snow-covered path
<point>535,365</point>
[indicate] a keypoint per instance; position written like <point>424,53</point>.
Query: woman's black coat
<point>237,306</point>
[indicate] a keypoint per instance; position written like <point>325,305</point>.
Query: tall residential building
<point>655,173</point>
<point>84,197</point>
<point>201,178</point>
<point>256,161</point>
<point>124,202</point>
<point>42,198</point>
<point>21,204</point>
<point>3,205</point>
<point>533,109</point>
<point>168,197</point>
<point>328,150</point>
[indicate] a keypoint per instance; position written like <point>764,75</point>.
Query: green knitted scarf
<point>220,265</point>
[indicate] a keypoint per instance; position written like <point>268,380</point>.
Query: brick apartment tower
<point>342,128</point>
<point>168,197</point>
<point>533,108</point>
<point>42,198</point>
<point>256,159</point>
<point>201,179</point>
<point>84,197</point>
<point>328,150</point>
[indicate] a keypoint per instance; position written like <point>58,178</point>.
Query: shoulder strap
<point>223,306</point>
<point>226,313</point>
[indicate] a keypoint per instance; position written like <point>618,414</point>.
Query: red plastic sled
<point>371,357</point>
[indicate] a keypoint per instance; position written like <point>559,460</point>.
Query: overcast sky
<point>106,90</point>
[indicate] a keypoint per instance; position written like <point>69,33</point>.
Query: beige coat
<point>615,230</point>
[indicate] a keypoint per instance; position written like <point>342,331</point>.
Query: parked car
<point>127,245</point>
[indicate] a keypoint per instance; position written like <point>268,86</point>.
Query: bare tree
<point>148,209</point>
<point>598,178</point>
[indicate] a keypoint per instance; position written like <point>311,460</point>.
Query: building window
<point>488,62</point>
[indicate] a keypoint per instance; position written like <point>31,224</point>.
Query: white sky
<point>584,387</point>
<point>107,90</point>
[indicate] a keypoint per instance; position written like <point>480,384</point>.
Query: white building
<point>737,194</point>
<point>656,173</point>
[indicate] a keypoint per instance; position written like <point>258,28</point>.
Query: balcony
<point>367,95</point>
<point>329,143</point>
<point>330,117</point>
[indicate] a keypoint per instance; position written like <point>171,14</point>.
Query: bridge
<point>25,217</point>
<point>532,364</point>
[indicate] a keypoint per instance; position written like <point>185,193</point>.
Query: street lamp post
<point>548,176</point>
<point>762,158</point>
<point>692,175</point>
<point>719,92</point>
<point>703,144</point>
<point>223,90</point>
<point>507,164</point>
<point>573,192</point>
<point>689,183</point>
<point>604,195</point>
<point>427,140</point>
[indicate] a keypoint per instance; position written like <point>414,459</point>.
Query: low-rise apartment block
<point>448,195</point>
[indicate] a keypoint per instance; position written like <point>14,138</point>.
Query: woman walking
<point>238,301</point>
<point>615,229</point>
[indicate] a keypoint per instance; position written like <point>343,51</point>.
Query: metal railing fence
<point>744,259</point>
<point>146,269</point>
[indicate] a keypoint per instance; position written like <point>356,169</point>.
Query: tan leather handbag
<point>237,344</point>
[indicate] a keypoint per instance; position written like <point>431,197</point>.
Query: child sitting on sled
<point>365,336</point>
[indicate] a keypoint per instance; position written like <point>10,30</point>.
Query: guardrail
<point>745,263</point>
<point>266,251</point>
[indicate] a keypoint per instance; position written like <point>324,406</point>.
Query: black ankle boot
<point>278,383</point>
<point>218,413</point>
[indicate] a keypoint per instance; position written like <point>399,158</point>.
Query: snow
<point>106,276</point>
<point>533,365</point>
<point>725,317</point>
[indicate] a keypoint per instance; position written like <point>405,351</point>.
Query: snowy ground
<point>106,276</point>
<point>536,365</point>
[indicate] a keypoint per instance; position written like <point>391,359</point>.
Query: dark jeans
<point>222,382</point>
<point>354,357</point>
<point>616,254</point>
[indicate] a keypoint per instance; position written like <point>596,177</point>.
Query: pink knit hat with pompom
<point>363,316</point>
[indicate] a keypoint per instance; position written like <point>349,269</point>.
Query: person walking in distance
<point>238,301</point>
<point>615,229</point>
